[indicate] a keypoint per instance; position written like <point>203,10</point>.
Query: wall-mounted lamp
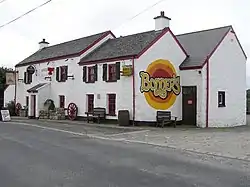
<point>71,77</point>
<point>48,78</point>
<point>20,80</point>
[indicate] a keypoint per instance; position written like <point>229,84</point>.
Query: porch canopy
<point>37,87</point>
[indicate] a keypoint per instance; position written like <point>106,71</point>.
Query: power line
<point>24,13</point>
<point>146,9</point>
<point>2,1</point>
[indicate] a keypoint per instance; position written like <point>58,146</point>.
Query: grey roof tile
<point>200,44</point>
<point>122,46</point>
<point>62,49</point>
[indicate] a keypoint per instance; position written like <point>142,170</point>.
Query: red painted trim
<point>133,84</point>
<point>158,38</point>
<point>190,68</point>
<point>15,75</point>
<point>239,43</point>
<point>70,55</point>
<point>105,60</point>
<point>164,31</point>
<point>207,94</point>
<point>175,38</point>
<point>216,47</point>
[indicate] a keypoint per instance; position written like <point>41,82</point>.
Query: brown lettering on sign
<point>159,86</point>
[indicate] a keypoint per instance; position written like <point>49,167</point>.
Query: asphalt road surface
<point>34,157</point>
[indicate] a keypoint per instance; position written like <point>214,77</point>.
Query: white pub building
<point>200,77</point>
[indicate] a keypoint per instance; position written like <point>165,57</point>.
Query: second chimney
<point>43,44</point>
<point>161,21</point>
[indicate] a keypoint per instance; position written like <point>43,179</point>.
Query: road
<point>36,157</point>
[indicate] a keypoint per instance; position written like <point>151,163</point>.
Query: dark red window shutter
<point>57,74</point>
<point>104,73</point>
<point>117,70</point>
<point>96,72</point>
<point>84,74</point>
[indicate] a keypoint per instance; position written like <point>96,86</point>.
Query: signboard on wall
<point>10,78</point>
<point>127,70</point>
<point>5,114</point>
<point>160,84</point>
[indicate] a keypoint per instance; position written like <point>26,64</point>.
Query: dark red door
<point>34,106</point>
<point>189,105</point>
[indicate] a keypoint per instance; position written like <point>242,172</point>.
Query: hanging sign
<point>31,69</point>
<point>127,70</point>
<point>5,114</point>
<point>10,78</point>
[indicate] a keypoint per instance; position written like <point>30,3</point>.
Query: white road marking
<point>133,132</point>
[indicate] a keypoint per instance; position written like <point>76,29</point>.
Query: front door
<point>33,106</point>
<point>189,100</point>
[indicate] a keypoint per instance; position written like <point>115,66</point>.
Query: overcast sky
<point>63,20</point>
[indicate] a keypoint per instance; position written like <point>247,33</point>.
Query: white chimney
<point>43,44</point>
<point>161,21</point>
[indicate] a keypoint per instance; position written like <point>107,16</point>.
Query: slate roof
<point>200,44</point>
<point>122,46</point>
<point>36,87</point>
<point>62,49</point>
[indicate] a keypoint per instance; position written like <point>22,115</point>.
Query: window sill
<point>110,114</point>
<point>111,81</point>
<point>221,106</point>
<point>90,82</point>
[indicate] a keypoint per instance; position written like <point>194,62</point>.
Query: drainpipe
<point>133,84</point>
<point>15,86</point>
<point>207,94</point>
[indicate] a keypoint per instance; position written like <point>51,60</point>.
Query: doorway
<point>33,106</point>
<point>189,105</point>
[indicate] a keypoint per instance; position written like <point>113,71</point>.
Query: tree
<point>3,71</point>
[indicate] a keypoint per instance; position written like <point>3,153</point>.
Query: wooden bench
<point>97,113</point>
<point>164,117</point>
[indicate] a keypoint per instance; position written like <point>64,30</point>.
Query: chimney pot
<point>43,44</point>
<point>161,21</point>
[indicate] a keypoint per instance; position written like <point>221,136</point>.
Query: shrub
<point>11,107</point>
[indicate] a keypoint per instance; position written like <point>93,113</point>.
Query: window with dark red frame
<point>91,74</point>
<point>90,102</point>
<point>61,73</point>
<point>111,104</point>
<point>112,72</point>
<point>61,101</point>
